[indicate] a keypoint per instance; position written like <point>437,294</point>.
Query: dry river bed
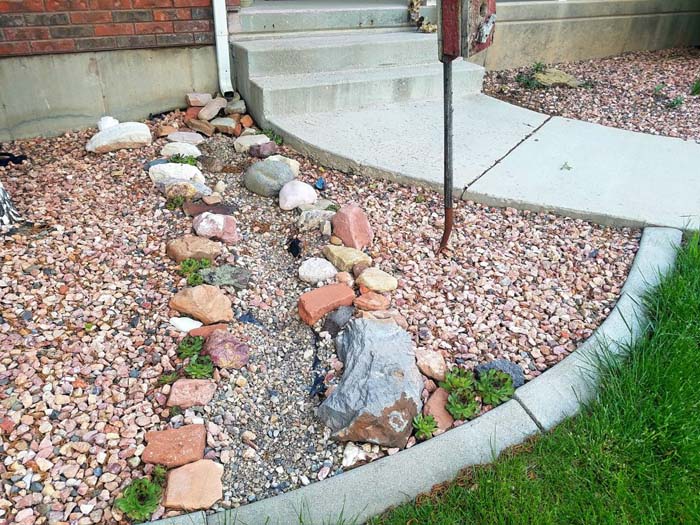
<point>84,332</point>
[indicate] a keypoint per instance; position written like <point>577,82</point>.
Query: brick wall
<point>32,27</point>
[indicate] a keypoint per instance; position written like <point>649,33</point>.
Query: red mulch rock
<point>176,446</point>
<point>372,301</point>
<point>315,304</point>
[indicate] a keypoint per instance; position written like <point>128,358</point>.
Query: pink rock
<point>212,225</point>
<point>204,302</point>
<point>351,225</point>
<point>225,350</point>
<point>262,151</point>
<point>431,363</point>
<point>194,486</point>
<point>212,108</point>
<point>435,406</point>
<point>186,393</point>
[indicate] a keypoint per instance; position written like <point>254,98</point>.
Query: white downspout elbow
<point>223,55</point>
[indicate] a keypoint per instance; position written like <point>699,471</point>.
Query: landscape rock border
<point>537,406</point>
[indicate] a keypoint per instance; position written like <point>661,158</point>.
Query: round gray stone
<point>266,178</point>
<point>513,370</point>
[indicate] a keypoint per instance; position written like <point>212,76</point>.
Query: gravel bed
<point>631,91</point>
<point>84,333</point>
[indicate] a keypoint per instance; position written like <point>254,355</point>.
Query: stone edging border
<point>537,406</point>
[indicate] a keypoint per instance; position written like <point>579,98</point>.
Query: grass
<point>633,457</point>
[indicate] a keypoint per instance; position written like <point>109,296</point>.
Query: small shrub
<point>159,474</point>
<point>419,199</point>
<point>167,379</point>
<point>675,103</point>
<point>273,136</point>
<point>462,405</point>
<point>695,88</point>
<point>659,88</point>
<point>494,387</point>
<point>140,499</point>
<point>190,346</point>
<point>458,380</point>
<point>528,81</point>
<point>89,327</point>
<point>190,267</point>
<point>425,426</point>
<point>200,367</point>
<point>184,159</point>
<point>538,67</point>
<point>175,203</point>
<point>194,279</point>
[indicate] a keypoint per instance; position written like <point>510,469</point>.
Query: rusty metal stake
<point>447,102</point>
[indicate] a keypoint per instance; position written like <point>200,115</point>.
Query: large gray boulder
<point>379,393</point>
<point>267,177</point>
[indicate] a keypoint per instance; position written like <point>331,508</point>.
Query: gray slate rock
<point>337,319</point>
<point>513,370</point>
<point>266,178</point>
<point>379,393</point>
<point>227,275</point>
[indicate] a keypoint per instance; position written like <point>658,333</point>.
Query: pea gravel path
<point>630,91</point>
<point>84,333</point>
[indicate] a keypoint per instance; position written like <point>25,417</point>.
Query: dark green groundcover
<point>631,458</point>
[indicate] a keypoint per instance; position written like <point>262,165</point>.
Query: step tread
<point>351,76</point>
<point>302,43</point>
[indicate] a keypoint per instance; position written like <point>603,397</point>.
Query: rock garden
<point>197,317</point>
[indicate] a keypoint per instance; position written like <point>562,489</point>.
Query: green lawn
<point>631,458</point>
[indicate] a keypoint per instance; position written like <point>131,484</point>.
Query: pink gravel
<point>630,91</point>
<point>84,308</point>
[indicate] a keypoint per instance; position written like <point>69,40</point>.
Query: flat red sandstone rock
<point>186,393</point>
<point>176,446</point>
<point>315,304</point>
<point>195,486</point>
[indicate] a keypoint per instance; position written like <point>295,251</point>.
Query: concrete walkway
<point>509,156</point>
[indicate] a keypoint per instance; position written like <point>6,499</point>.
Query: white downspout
<point>223,54</point>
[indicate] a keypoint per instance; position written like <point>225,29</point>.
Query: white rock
<point>244,142</point>
<point>106,122</point>
<point>315,270</point>
<point>184,324</point>
<point>175,171</point>
<point>296,193</point>
<point>180,148</point>
<point>292,163</point>
<point>186,136</point>
<point>220,187</point>
<point>250,131</point>
<point>353,455</point>
<point>125,135</point>
<point>198,99</point>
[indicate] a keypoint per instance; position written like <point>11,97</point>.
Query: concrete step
<point>356,88</point>
<point>353,50</point>
<point>310,15</point>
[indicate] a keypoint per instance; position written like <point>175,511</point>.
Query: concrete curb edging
<point>538,405</point>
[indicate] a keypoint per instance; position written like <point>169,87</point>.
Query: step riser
<point>357,56</point>
<point>315,20</point>
<point>349,96</point>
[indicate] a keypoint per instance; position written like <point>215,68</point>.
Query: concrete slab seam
<point>511,150</point>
